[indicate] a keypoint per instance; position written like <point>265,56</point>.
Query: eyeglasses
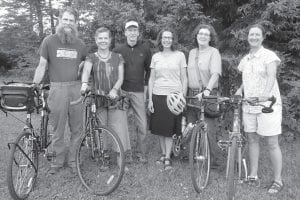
<point>204,34</point>
<point>167,38</point>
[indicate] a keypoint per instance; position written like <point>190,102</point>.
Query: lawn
<point>149,182</point>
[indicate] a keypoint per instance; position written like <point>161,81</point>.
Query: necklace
<point>104,57</point>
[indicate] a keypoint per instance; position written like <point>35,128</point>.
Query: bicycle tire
<point>20,165</point>
<point>101,172</point>
<point>199,159</point>
<point>231,168</point>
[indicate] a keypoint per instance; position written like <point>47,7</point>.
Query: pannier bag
<point>17,97</point>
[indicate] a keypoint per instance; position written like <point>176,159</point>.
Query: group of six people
<point>130,69</point>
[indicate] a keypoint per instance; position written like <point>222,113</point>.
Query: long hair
<point>174,45</point>
<point>213,35</point>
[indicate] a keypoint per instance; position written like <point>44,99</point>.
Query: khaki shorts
<point>264,124</point>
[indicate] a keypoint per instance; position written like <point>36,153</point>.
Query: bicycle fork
<point>240,162</point>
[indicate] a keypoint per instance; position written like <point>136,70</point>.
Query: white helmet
<point>176,102</point>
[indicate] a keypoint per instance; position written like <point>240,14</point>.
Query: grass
<point>149,182</point>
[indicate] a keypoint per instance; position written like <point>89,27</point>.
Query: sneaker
<point>141,158</point>
<point>253,181</point>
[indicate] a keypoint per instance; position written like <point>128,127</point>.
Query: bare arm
<point>119,82</point>
<point>271,77</point>
<point>150,89</point>
<point>85,75</point>
<point>40,70</point>
<point>113,93</point>
<point>184,80</point>
<point>86,72</point>
<point>212,81</point>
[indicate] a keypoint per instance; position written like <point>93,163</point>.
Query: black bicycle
<point>100,155</point>
<point>24,151</point>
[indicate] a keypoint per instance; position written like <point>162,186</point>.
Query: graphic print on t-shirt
<point>66,53</point>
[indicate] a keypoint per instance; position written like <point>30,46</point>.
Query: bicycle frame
<point>42,147</point>
<point>240,139</point>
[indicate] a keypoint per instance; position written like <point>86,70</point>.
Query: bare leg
<point>253,139</point>
<point>275,156</point>
<point>168,143</point>
<point>162,144</point>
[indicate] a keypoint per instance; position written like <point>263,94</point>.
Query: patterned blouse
<point>105,72</point>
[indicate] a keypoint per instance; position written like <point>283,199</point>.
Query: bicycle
<point>100,157</point>
<point>236,141</point>
<point>199,151</point>
<point>24,151</point>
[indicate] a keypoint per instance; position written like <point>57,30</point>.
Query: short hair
<point>174,45</point>
<point>259,26</point>
<point>103,29</point>
<point>213,34</point>
<point>70,10</point>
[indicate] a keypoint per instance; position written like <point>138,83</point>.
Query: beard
<point>66,36</point>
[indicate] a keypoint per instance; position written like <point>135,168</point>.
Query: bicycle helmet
<point>176,102</point>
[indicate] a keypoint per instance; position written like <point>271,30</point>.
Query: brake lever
<point>269,109</point>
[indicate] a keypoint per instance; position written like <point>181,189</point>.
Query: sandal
<point>275,187</point>
<point>168,164</point>
<point>161,160</point>
<point>253,181</point>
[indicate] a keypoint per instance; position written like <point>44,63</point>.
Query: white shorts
<point>264,124</point>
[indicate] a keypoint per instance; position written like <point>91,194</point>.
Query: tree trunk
<point>51,17</point>
<point>39,14</point>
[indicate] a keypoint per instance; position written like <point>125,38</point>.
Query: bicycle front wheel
<point>199,158</point>
<point>231,169</point>
<point>22,166</point>
<point>100,161</point>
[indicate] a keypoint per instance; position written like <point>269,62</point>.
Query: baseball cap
<point>131,23</point>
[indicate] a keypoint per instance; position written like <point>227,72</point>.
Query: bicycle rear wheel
<point>100,161</point>
<point>231,169</point>
<point>199,158</point>
<point>22,166</point>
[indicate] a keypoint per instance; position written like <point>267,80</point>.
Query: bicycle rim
<point>231,169</point>
<point>100,165</point>
<point>199,159</point>
<point>22,166</point>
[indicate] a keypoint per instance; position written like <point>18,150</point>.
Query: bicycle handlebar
<point>87,94</point>
<point>237,99</point>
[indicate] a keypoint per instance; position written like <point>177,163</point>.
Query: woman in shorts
<point>258,69</point>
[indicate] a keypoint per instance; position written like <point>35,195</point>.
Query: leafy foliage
<point>26,22</point>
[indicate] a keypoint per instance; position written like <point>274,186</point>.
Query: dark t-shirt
<point>105,74</point>
<point>63,59</point>
<point>137,66</point>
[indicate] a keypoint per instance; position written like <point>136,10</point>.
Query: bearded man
<point>60,57</point>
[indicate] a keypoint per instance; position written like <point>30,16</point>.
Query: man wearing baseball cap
<point>137,58</point>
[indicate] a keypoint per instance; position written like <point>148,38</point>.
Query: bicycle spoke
<point>22,169</point>
<point>199,159</point>
<point>100,161</point>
